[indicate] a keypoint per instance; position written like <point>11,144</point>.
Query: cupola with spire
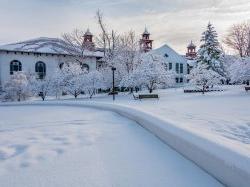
<point>88,40</point>
<point>191,50</point>
<point>145,43</point>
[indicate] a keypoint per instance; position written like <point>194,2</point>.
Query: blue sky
<point>174,22</point>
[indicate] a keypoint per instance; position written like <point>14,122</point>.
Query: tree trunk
<point>203,89</point>
<point>91,94</point>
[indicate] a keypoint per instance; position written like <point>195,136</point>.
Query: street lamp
<point>113,91</point>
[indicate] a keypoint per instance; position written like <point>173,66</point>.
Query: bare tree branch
<point>238,38</point>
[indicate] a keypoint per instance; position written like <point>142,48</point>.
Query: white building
<point>174,61</point>
<point>33,57</point>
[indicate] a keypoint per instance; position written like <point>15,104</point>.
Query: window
<point>85,67</point>
<point>15,65</point>
<point>166,55</point>
<point>170,66</point>
<point>181,80</point>
<point>177,67</point>
<point>181,68</point>
<point>40,70</point>
<point>165,66</point>
<point>177,80</point>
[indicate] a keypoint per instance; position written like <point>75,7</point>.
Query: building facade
<point>34,58</point>
<point>173,60</point>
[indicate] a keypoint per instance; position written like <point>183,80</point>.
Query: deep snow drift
<point>67,146</point>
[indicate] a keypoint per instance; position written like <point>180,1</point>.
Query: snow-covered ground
<point>70,146</point>
<point>222,117</point>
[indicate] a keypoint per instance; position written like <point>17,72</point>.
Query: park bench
<point>247,88</point>
<point>146,96</point>
<point>197,91</point>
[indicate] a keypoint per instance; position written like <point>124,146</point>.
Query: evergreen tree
<point>210,53</point>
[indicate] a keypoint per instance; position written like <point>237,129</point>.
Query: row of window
<point>40,68</point>
<point>179,80</point>
<point>178,67</point>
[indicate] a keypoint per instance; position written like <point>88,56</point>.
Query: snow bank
<point>229,167</point>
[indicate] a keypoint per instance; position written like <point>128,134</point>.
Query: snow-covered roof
<point>37,45</point>
<point>170,54</point>
<point>43,45</point>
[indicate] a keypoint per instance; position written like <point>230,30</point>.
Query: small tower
<point>191,51</point>
<point>88,41</point>
<point>145,42</point>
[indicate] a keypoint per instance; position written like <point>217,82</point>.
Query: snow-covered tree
<point>16,87</point>
<point>71,75</point>
<point>240,70</point>
<point>151,73</point>
<point>124,56</point>
<point>93,81</point>
<point>58,82</point>
<point>120,51</point>
<point>42,87</point>
<point>210,52</point>
<point>203,76</point>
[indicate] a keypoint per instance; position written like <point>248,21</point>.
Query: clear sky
<point>174,22</point>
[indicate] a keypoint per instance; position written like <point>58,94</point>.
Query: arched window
<point>85,67</point>
<point>15,65</point>
<point>40,70</point>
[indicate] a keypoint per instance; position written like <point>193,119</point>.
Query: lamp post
<point>113,91</point>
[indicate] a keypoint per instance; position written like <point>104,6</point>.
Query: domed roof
<point>88,33</point>
<point>191,45</point>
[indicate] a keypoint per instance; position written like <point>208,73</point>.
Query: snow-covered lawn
<point>222,117</point>
<point>70,146</point>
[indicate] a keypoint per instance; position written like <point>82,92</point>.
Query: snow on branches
<point>204,77</point>
<point>71,76</point>
<point>209,69</point>
<point>151,73</point>
<point>240,70</point>
<point>42,87</point>
<point>210,52</point>
<point>16,88</point>
<point>93,81</point>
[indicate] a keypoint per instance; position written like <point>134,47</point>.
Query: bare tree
<point>129,51</point>
<point>238,38</point>
<point>106,40</point>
